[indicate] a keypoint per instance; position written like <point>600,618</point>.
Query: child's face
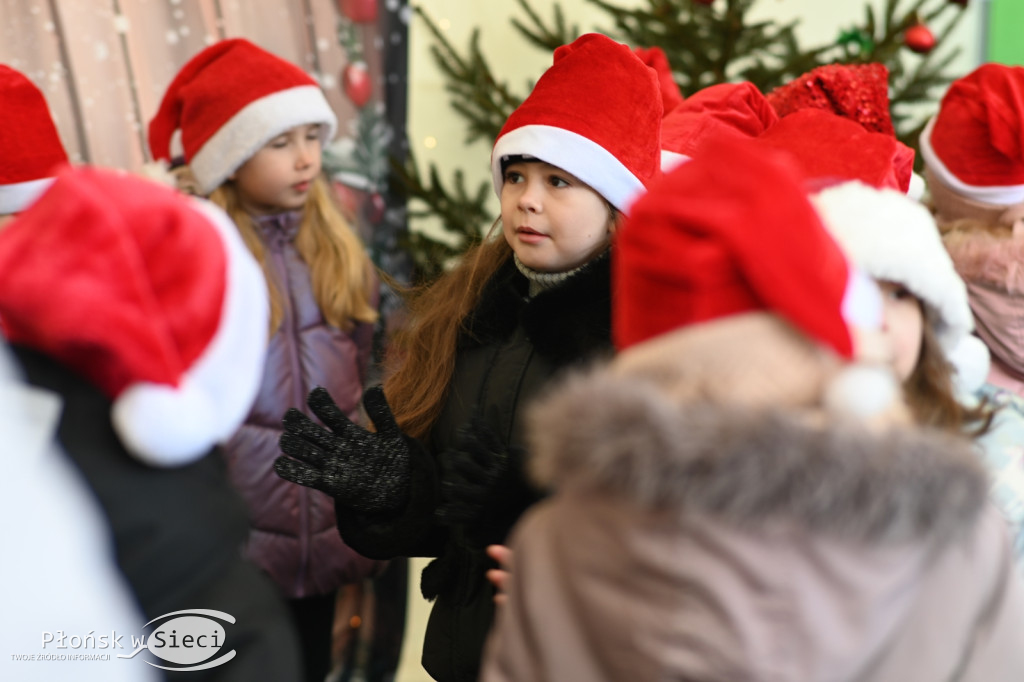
<point>552,220</point>
<point>903,326</point>
<point>279,176</point>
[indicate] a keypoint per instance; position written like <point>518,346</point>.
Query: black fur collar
<point>564,323</point>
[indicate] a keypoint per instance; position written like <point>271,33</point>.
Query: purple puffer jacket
<point>292,530</point>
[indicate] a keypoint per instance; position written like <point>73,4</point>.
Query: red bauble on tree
<point>919,38</point>
<point>359,11</point>
<point>355,82</point>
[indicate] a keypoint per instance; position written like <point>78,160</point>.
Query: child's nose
<point>530,198</point>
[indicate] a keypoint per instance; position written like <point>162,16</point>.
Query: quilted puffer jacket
<point>292,529</point>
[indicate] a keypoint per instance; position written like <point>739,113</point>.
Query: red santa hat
<point>728,233</point>
<point>30,148</point>
<point>151,296</point>
<point>654,57</point>
<point>595,113</point>
<point>975,144</point>
<point>830,147</point>
<point>733,109</point>
<point>230,100</point>
<point>859,92</point>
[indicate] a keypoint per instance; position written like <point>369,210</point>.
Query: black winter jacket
<point>514,346</point>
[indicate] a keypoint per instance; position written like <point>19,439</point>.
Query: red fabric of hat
<point>228,101</point>
<point>729,232</point>
<point>830,147</point>
<point>654,57</point>
<point>149,295</point>
<point>734,109</point>
<point>975,144</point>
<point>596,113</point>
<point>30,148</point>
<point>859,92</point>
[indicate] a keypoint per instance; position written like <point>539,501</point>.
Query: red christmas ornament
<point>377,208</point>
<point>355,82</point>
<point>359,11</point>
<point>919,38</point>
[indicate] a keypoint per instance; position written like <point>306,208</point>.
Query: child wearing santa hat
<point>741,493</point>
<point>442,475</point>
<point>941,364</point>
<point>974,164</point>
<point>251,128</point>
<point>31,152</point>
<point>139,309</point>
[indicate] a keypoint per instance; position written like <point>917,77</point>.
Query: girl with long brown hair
<point>442,476</point>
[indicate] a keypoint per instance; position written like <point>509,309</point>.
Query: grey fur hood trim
<point>621,435</point>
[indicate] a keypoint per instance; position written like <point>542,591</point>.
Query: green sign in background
<point>1006,31</point>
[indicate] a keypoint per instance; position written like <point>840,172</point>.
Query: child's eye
<point>278,142</point>
<point>900,293</point>
<point>513,177</point>
<point>558,181</point>
<point>313,133</point>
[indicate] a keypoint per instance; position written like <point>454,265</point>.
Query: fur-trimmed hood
<point>568,321</point>
<point>631,434</point>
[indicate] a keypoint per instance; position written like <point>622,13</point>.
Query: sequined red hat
<point>859,92</point>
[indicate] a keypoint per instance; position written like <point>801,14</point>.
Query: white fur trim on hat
<point>672,160</point>
<point>862,301</point>
<point>256,124</point>
<point>972,361</point>
<point>16,197</point>
<point>1001,196</point>
<point>573,153</point>
<point>167,426</point>
<point>894,238</point>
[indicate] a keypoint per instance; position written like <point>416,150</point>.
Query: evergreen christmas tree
<point>706,42</point>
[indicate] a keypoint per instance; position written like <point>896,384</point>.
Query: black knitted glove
<point>480,477</point>
<point>364,470</point>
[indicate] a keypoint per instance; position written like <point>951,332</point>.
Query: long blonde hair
<point>340,270</point>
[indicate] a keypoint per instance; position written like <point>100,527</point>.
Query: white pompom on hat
<point>151,296</point>
<point>894,238</point>
<point>595,113</point>
<point>230,100</point>
<point>31,152</point>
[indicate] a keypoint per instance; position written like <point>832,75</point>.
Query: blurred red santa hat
<point>30,148</point>
<point>732,109</point>
<point>732,232</point>
<point>975,143</point>
<point>828,147</point>
<point>151,296</point>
